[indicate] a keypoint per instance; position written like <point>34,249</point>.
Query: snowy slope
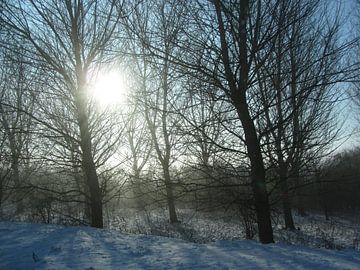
<point>35,246</point>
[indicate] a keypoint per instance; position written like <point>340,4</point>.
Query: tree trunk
<point>138,194</point>
<point>1,194</point>
<point>322,197</point>
<point>300,206</point>
<point>16,179</point>
<point>92,181</point>
<point>238,88</point>
<point>15,174</point>
<point>258,183</point>
<point>286,203</point>
<point>297,140</point>
<point>88,163</point>
<point>281,130</point>
<point>170,195</point>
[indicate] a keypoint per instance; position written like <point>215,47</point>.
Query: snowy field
<point>37,246</point>
<point>340,232</point>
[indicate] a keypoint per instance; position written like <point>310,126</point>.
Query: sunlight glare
<point>109,89</point>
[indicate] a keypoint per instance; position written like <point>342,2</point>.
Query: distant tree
<point>202,129</point>
<point>158,25</point>
<point>141,147</point>
<point>17,127</point>
<point>337,184</point>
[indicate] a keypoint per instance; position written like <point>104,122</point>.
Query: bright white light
<point>109,89</point>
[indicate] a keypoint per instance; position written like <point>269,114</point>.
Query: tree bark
<point>258,177</point>
<point>286,203</point>
<point>280,136</point>
<point>90,172</point>
<point>295,171</point>
<point>88,163</point>
<point>170,195</point>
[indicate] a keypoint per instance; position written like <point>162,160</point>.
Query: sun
<point>109,89</point>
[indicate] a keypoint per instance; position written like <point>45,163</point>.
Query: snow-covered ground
<point>36,246</point>
<point>203,227</point>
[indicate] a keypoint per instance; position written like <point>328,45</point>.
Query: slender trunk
<point>300,204</point>
<point>280,138</point>
<point>15,172</point>
<point>136,169</point>
<point>297,145</point>
<point>167,153</point>
<point>322,197</point>
<point>137,190</point>
<point>286,203</point>
<point>164,160</point>
<point>326,211</point>
<point>16,179</point>
<point>170,194</point>
<point>1,194</point>
<point>295,171</point>
<point>205,167</point>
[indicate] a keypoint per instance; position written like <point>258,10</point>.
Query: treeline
<point>231,103</point>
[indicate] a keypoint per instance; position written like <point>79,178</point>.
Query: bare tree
<point>355,92</point>
<point>15,88</point>
<point>159,82</point>
<point>228,35</point>
<point>69,38</point>
<point>141,147</point>
<point>298,93</point>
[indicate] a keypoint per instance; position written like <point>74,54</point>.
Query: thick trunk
<point>90,174</point>
<point>258,183</point>
<point>87,205</point>
<point>170,195</point>
<point>83,187</point>
<point>81,104</point>
<point>88,163</point>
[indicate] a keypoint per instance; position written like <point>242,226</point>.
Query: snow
<point>340,232</point>
<point>39,246</point>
